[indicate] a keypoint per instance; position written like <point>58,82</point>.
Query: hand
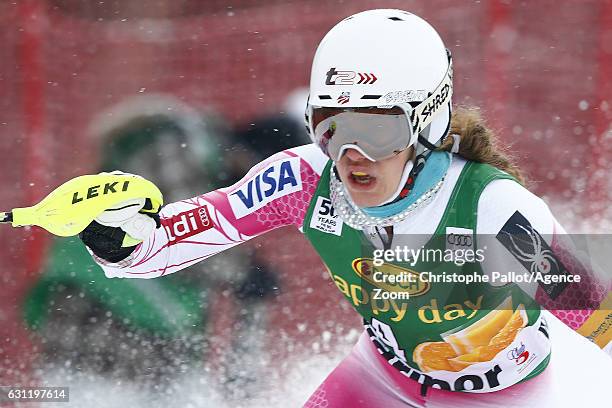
<point>115,233</point>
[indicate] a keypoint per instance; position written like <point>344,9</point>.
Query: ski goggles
<point>378,132</point>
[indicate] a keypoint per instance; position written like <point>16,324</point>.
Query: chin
<point>363,199</point>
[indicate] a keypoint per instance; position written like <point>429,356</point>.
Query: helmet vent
<point>395,18</point>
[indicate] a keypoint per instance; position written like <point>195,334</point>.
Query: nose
<point>354,155</point>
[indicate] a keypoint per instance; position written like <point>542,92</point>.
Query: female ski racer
<point>392,180</point>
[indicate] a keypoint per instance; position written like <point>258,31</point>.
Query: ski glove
<point>115,233</point>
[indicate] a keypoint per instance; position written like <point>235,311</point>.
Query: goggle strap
<point>422,115</point>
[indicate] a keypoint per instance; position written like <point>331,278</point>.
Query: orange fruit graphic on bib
<point>479,342</point>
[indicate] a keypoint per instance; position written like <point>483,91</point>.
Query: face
<point>371,183</point>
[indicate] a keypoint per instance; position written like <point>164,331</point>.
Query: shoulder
<point>311,155</point>
<point>307,160</point>
<point>504,200</point>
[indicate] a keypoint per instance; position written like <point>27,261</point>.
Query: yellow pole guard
<point>71,207</point>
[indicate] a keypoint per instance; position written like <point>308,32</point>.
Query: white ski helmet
<point>381,80</point>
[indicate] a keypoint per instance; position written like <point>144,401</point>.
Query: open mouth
<point>362,178</point>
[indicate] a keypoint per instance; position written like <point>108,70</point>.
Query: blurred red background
<point>541,72</point>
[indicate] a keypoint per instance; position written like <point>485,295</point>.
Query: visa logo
<point>277,180</point>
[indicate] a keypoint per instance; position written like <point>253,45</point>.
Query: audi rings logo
<point>459,240</point>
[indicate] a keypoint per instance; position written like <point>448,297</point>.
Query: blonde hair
<point>479,143</point>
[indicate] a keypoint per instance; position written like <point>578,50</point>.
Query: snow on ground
<point>198,388</point>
